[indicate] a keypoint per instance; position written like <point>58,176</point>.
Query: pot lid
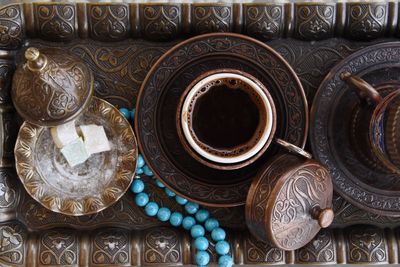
<point>290,201</point>
<point>52,87</point>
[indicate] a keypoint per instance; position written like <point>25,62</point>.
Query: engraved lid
<point>52,87</point>
<point>289,202</point>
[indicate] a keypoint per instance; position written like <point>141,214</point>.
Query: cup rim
<point>261,91</point>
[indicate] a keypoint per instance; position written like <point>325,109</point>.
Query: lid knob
<point>35,60</point>
<point>323,216</point>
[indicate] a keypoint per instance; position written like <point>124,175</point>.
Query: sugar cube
<point>64,134</point>
<point>95,138</point>
<point>75,152</point>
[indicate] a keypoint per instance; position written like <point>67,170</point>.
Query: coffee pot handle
<point>293,149</point>
<point>364,89</point>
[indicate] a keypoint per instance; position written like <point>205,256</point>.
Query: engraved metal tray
<point>120,42</point>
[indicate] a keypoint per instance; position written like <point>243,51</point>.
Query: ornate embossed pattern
<point>58,248</point>
<point>264,21</point>
<point>11,27</point>
<point>256,252</point>
<point>321,249</point>
<point>366,20</point>
<point>315,22</point>
<point>59,92</point>
<point>307,187</point>
<point>56,21</point>
<point>162,246</point>
<point>160,22</point>
<point>350,178</point>
<point>108,22</point>
<point>366,245</point>
<point>39,189</point>
<point>110,247</point>
<point>12,244</point>
<point>8,189</point>
<point>6,72</point>
<point>211,18</point>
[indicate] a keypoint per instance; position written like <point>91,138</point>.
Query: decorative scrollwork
<point>264,21</point>
<point>6,72</point>
<point>12,247</point>
<point>111,247</point>
<point>160,22</point>
<point>207,18</point>
<point>367,21</point>
<point>321,249</point>
<point>366,245</point>
<point>260,252</point>
<point>162,246</point>
<point>315,22</point>
<point>11,27</point>
<point>8,189</point>
<point>109,22</point>
<point>58,248</point>
<point>56,21</point>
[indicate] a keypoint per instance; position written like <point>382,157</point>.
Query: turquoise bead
<point>125,112</point>
<point>201,243</point>
<point>163,214</point>
<point>176,219</point>
<point>180,200</point>
<point>202,215</point>
<point>222,247</point>
<point>137,186</point>
<point>218,234</point>
<point>139,171</point>
<point>140,161</point>
<point>188,222</point>
<point>132,113</point>
<point>191,207</point>
<point>225,261</point>
<point>202,258</point>
<point>142,199</point>
<point>211,224</point>
<point>169,193</point>
<point>160,184</point>
<point>147,171</point>
<point>197,230</point>
<point>151,209</point>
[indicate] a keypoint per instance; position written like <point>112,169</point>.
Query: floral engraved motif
<point>111,247</point>
<point>212,18</point>
<point>11,31</point>
<point>321,249</point>
<point>12,244</point>
<point>366,245</point>
<point>162,245</point>
<point>264,21</point>
<point>367,21</point>
<point>56,21</point>
<point>260,252</point>
<point>109,22</point>
<point>6,71</point>
<point>8,191</point>
<point>58,248</point>
<point>315,22</point>
<point>297,197</point>
<point>161,22</point>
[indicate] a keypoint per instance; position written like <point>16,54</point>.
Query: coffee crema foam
<point>206,110</point>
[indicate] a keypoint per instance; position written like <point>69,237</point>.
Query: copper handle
<point>364,89</point>
<point>36,61</point>
<point>292,148</point>
<point>323,216</point>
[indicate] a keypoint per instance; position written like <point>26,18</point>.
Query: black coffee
<point>226,115</point>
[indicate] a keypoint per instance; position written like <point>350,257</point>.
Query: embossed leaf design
<point>97,11</point>
<point>71,206</point>
<point>124,71</point>
<point>69,257</point>
<point>24,149</point>
<point>10,238</point>
<point>36,188</point>
<point>92,204</point>
<point>110,194</point>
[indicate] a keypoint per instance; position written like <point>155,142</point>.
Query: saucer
<point>158,102</point>
<point>360,183</point>
<point>88,187</point>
